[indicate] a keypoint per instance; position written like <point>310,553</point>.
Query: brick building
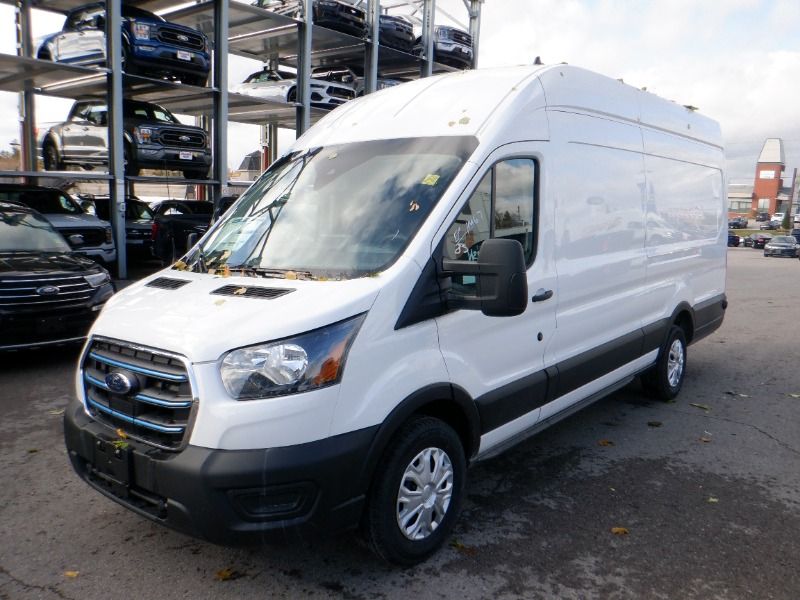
<point>769,193</point>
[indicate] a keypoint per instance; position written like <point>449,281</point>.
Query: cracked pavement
<point>708,488</point>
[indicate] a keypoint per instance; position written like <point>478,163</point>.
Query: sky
<point>738,61</point>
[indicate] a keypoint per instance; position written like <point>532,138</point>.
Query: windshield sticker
<point>413,206</point>
<point>430,179</point>
<point>333,155</point>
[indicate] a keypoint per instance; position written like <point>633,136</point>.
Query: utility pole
<point>792,192</point>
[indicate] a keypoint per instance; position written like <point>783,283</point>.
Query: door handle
<point>541,295</point>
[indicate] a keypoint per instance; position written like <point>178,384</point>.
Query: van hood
<point>60,221</point>
<point>200,322</point>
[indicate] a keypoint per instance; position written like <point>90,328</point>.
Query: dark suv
<point>451,46</point>
<point>150,45</point>
<point>48,294</point>
<point>154,139</point>
<point>333,14</point>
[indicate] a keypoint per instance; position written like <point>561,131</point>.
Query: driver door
<point>499,361</point>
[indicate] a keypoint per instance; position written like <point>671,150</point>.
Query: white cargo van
<point>431,274</point>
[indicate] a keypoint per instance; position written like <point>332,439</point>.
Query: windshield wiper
<point>271,273</point>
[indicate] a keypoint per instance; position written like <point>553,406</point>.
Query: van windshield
<point>337,212</point>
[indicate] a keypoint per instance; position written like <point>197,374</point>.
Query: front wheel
<point>417,491</point>
<point>665,379</point>
<point>52,161</point>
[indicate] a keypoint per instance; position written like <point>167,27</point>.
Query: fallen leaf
<point>291,275</point>
<point>71,574</point>
<point>227,575</point>
<point>605,443</point>
<point>122,435</point>
<point>226,271</point>
<point>654,423</point>
<point>619,530</point>
<point>712,500</point>
<point>700,406</point>
<point>705,440</point>
<point>120,445</point>
<point>180,266</point>
<point>794,395</point>
<point>463,548</point>
<point>240,291</point>
<point>219,302</point>
<point>33,450</point>
<point>56,412</point>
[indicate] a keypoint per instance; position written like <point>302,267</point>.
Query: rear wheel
<point>292,95</point>
<point>665,379</point>
<point>417,491</point>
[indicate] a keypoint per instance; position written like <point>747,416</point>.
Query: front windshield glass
<point>50,202</point>
<point>337,212</point>
<point>26,232</point>
<point>144,111</point>
<point>784,239</point>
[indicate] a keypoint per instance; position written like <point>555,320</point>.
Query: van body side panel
<point>686,223</point>
<point>598,184</point>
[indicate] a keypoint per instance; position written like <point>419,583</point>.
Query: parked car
<point>777,218</point>
<point>737,223</point>
<point>349,78</point>
<point>733,240</point>
<point>151,46</point>
<point>49,295</point>
<point>782,245</point>
<point>451,46</point>
<point>173,222</point>
<point>770,225</point>
<point>333,14</point>
<point>757,240</point>
<point>396,32</point>
<point>795,233</point>
<point>762,216</point>
<point>138,222</point>
<point>85,233</point>
<point>154,139</point>
<point>281,86</point>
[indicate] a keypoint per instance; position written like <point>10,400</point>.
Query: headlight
<point>109,235</point>
<point>141,31</point>
<point>298,364</point>
<point>97,279</point>
<point>143,134</point>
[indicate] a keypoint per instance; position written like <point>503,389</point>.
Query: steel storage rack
<point>234,27</point>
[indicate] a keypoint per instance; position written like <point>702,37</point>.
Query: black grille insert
<point>182,139</point>
<point>167,283</point>
<point>93,236</point>
<point>180,38</point>
<point>156,410</point>
<point>45,291</point>
<point>252,292</point>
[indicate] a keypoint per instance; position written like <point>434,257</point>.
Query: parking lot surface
<point>703,493</point>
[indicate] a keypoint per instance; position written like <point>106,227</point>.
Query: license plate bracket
<point>112,466</point>
<point>185,156</point>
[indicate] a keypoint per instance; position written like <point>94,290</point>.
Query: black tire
<point>52,160</point>
<point>131,168</point>
<point>292,95</point>
<point>198,80</point>
<point>381,526</point>
<point>665,379</point>
<point>195,174</point>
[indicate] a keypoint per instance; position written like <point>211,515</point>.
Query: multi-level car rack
<point>233,27</point>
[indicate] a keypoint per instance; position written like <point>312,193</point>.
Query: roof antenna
<point>538,61</point>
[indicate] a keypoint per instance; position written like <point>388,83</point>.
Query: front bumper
<point>158,157</point>
<point>227,497</point>
<point>453,54</point>
<point>163,59</point>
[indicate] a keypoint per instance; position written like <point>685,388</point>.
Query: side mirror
<point>191,240</point>
<point>502,283</point>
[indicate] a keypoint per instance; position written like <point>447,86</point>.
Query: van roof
<point>476,102</point>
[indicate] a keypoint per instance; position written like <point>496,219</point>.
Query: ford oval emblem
<point>47,290</point>
<point>183,38</point>
<point>119,383</point>
<point>184,138</point>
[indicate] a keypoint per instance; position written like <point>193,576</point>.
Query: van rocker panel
<point>227,497</point>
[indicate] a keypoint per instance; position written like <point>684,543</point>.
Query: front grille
<point>182,139</point>
<point>181,38</point>
<point>338,92</point>
<point>158,408</point>
<point>461,37</point>
<point>44,292</point>
<point>92,236</point>
<point>251,291</point>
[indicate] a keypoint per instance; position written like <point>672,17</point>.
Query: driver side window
<point>503,205</point>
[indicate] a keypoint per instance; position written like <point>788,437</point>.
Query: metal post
<point>220,125</point>
<point>428,12</point>
<point>372,48</point>
<point>272,142</point>
<point>27,107</point>
<point>475,28</point>
<point>304,69</point>
<point>116,159</point>
<point>792,189</point>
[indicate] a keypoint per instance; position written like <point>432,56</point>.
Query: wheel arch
<point>445,401</point>
<point>683,317</point>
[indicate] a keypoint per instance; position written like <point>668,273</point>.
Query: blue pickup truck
<point>150,45</point>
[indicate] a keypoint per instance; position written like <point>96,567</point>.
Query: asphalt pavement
<point>630,498</point>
